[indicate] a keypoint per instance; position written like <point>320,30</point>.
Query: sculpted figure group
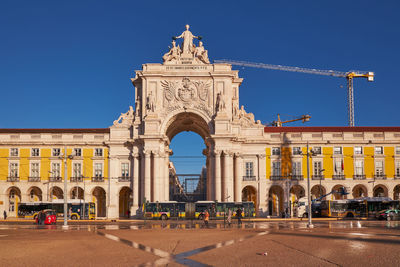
<point>188,50</point>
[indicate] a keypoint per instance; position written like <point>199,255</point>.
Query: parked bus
<point>370,206</point>
<point>76,209</point>
<point>345,208</point>
<point>187,210</point>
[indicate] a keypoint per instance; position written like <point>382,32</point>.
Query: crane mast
<point>350,75</point>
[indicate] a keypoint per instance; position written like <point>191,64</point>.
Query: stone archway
<point>275,200</point>
<point>360,191</point>
<point>380,191</point>
<point>317,191</point>
<point>14,197</point>
<point>396,192</point>
<point>35,194</point>
<point>77,192</point>
<point>336,195</point>
<point>296,192</point>
<point>125,201</point>
<point>249,193</point>
<point>56,193</point>
<point>99,195</point>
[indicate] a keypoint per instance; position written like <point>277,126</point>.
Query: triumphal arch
<point>188,93</point>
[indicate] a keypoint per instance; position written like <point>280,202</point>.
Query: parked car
<point>49,218</point>
<point>389,214</point>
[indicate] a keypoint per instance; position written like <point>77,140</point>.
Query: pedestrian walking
<point>5,215</point>
<point>239,216</point>
<point>229,220</point>
<point>206,218</point>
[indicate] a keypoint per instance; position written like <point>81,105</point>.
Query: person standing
<point>5,215</point>
<point>229,220</point>
<point>206,218</point>
<point>239,216</point>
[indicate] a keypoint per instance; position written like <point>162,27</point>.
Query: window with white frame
<point>276,168</point>
<point>14,169</point>
<point>276,151</point>
<point>317,167</point>
<point>379,167</point>
<point>77,152</point>
<point>337,150</point>
<point>339,167</point>
<point>56,169</point>
<point>56,152</point>
<point>35,152</point>
<point>125,170</point>
<point>14,152</point>
<point>397,150</point>
<point>296,168</point>
<point>249,169</point>
<point>77,169</point>
<point>359,167</point>
<point>317,150</point>
<point>358,150</point>
<point>378,150</point>
<point>98,170</point>
<point>296,150</point>
<point>98,152</point>
<point>35,172</point>
<point>397,170</point>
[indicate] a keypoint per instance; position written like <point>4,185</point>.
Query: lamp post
<point>309,225</point>
<point>65,226</point>
<point>320,179</point>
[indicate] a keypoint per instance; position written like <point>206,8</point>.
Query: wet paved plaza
<point>189,243</point>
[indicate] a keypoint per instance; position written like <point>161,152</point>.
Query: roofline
<point>61,130</point>
<point>330,129</point>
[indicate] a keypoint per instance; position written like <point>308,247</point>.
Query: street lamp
<point>309,225</point>
<point>320,179</point>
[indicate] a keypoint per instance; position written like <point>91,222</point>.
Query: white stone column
<point>135,175</point>
<point>210,160</point>
<point>217,176</point>
<point>228,178</point>
<point>238,177</point>
<point>166,177</point>
<point>262,179</point>
<point>147,175</point>
<point>156,177</point>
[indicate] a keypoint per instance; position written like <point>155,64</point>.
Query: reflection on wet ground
<point>347,224</point>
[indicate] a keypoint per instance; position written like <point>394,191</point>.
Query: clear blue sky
<point>67,64</point>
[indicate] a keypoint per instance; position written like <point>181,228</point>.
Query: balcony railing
<point>276,177</point>
<point>397,176</point>
<point>12,179</point>
<point>297,177</point>
<point>249,178</point>
<point>359,176</point>
<point>317,177</point>
<point>380,177</point>
<point>124,179</point>
<point>76,179</point>
<point>338,177</point>
<point>34,179</point>
<point>56,179</point>
<point>98,179</point>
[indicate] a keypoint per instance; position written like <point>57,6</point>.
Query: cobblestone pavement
<point>175,243</point>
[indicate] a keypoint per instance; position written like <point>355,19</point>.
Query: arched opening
<point>396,192</point>
<point>125,201</point>
<point>360,191</point>
<point>14,197</point>
<point>56,193</point>
<point>380,191</point>
<point>275,200</point>
<point>77,192</point>
<point>337,195</point>
<point>34,194</point>
<point>99,195</point>
<point>296,192</point>
<point>249,193</point>
<point>317,191</point>
<point>189,177</point>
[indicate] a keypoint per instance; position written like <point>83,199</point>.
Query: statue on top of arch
<point>189,51</point>
<point>125,118</point>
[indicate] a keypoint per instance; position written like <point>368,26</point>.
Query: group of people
<point>41,217</point>
<point>206,217</point>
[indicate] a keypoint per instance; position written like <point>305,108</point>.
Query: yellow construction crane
<point>278,123</point>
<point>350,75</point>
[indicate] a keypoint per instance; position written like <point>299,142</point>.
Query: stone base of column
<point>262,210</point>
<point>113,212</point>
<point>136,211</point>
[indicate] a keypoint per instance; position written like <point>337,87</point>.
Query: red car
<point>47,216</point>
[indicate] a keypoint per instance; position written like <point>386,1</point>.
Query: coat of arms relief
<point>186,93</point>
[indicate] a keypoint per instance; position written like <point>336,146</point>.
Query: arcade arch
<point>14,197</point>
<point>77,193</point>
<point>275,200</point>
<point>360,191</point>
<point>99,195</point>
<point>396,192</point>
<point>34,194</point>
<point>56,193</point>
<point>380,191</point>
<point>125,199</point>
<point>336,196</point>
<point>249,193</point>
<point>317,191</point>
